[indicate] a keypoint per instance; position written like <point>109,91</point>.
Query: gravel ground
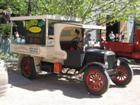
<point>50,90</point>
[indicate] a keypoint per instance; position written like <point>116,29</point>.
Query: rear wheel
<point>28,67</point>
<point>123,75</point>
<point>96,80</point>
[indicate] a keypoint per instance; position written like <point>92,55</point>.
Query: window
<point>137,24</point>
<point>30,31</point>
<point>51,29</point>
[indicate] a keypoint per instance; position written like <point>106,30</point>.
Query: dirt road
<point>50,90</point>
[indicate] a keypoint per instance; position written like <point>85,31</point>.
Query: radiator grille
<point>111,59</point>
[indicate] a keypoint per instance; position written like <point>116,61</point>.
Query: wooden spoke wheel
<point>123,75</point>
<point>96,80</point>
<point>28,67</point>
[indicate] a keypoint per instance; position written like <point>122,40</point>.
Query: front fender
<point>124,60</point>
<point>92,64</point>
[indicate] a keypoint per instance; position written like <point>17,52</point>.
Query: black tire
<point>28,67</point>
<point>98,84</point>
<point>123,75</point>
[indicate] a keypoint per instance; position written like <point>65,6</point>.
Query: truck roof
<point>85,26</point>
<point>51,17</point>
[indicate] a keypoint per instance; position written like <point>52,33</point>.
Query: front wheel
<point>28,67</point>
<point>96,80</point>
<point>123,75</point>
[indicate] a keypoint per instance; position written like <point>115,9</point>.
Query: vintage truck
<point>127,44</point>
<point>48,43</point>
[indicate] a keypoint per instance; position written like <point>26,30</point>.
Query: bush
<point>5,29</point>
<point>2,55</point>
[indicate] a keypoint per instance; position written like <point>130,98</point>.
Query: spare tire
<point>3,78</point>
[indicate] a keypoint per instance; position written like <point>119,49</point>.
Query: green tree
<point>86,9</point>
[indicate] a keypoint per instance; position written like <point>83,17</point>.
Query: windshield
<point>130,30</point>
<point>137,24</point>
<point>120,31</point>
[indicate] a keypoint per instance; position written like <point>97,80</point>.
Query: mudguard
<point>125,60</point>
<point>92,64</point>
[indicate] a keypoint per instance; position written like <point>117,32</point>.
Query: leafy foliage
<point>86,9</point>
<point>5,27</point>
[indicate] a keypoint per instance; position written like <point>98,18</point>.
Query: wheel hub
<point>121,74</point>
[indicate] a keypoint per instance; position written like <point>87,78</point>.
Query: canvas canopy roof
<point>93,27</point>
<point>85,26</point>
<point>52,17</point>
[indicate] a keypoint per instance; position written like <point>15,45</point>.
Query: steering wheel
<point>76,43</point>
<point>75,39</point>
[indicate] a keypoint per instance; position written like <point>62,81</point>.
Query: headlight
<point>118,62</point>
<point>106,64</point>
